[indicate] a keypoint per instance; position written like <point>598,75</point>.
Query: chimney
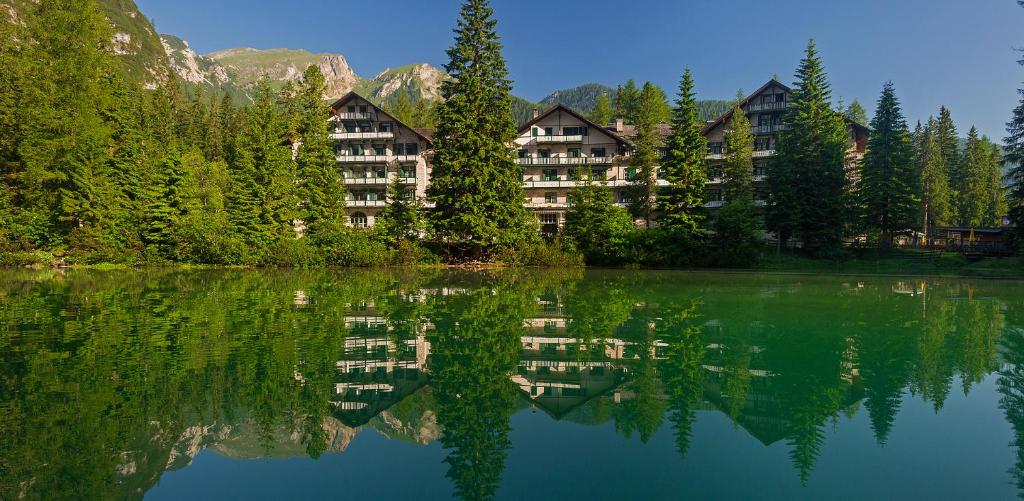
<point>536,113</point>
<point>620,125</point>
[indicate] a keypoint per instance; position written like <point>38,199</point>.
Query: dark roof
<point>559,106</point>
<point>425,132</point>
<point>352,94</point>
<point>664,131</point>
<point>773,82</point>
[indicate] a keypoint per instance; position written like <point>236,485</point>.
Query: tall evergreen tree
<point>888,192</point>
<point>400,220</point>
<point>476,185</point>
<point>1014,158</point>
<point>996,207</point>
<point>736,227</point>
<point>739,163</point>
<point>321,189</point>
<point>646,154</point>
<point>403,109</point>
<point>935,193</point>
<point>856,112</point>
<point>949,146</point>
<point>627,101</point>
<point>602,113</point>
<point>807,176</point>
<point>595,226</point>
<point>680,203</point>
<point>973,196</point>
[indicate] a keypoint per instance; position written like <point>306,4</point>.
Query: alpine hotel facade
<point>556,149</point>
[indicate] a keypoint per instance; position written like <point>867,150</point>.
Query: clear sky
<point>954,52</point>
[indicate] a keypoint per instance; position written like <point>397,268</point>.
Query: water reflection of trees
<point>110,379</point>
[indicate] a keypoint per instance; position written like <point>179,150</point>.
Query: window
<point>524,154</point>
<point>412,148</point>
<point>549,131</point>
<point>760,169</point>
<point>574,174</point>
<point>549,175</point>
<point>548,219</point>
<point>399,149</point>
<point>763,144</point>
<point>716,172</point>
<point>598,174</point>
<point>385,127</point>
<point>715,195</point>
<point>534,132</point>
<point>760,195</point>
<point>358,220</point>
<point>764,119</point>
<point>715,148</point>
<point>380,172</point>
<point>780,98</point>
<point>350,128</point>
<point>598,152</point>
<point>574,131</point>
<point>357,150</point>
<point>407,173</point>
<point>363,109</point>
<point>551,197</point>
<point>380,150</point>
<point>575,153</point>
<point>543,153</point>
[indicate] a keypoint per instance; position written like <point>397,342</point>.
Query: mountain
<point>418,81</point>
<point>198,72</point>
<point>247,66</point>
<point>582,98</point>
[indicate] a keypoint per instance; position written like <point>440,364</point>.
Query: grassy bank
<point>899,261</point>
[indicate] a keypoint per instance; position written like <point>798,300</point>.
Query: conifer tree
<point>973,196</point>
<point>476,185</point>
<point>262,202</point>
<point>739,163</point>
<point>1013,148</point>
<point>602,113</point>
<point>321,188</point>
<point>996,207</point>
<point>680,203</point>
<point>935,193</point>
<point>646,154</point>
<point>807,176</point>
<point>856,112</point>
<point>627,101</point>
<point>401,220</point>
<point>949,146</point>
<point>888,192</point>
<point>403,109</point>
<point>594,225</point>
<point>736,228</point>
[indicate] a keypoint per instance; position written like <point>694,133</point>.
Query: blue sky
<point>954,52</point>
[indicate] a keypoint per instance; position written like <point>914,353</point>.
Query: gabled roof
<point>561,107</point>
<point>745,102</point>
<point>352,95</point>
<point>771,83</point>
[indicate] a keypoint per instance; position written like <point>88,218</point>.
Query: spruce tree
<point>401,220</point>
<point>1013,157</point>
<point>856,113</point>
<point>476,186</point>
<point>321,188</point>
<point>602,113</point>
<point>935,193</point>
<point>739,164</point>
<point>627,101</point>
<point>736,228</point>
<point>680,203</point>
<point>973,197</point>
<point>807,176</point>
<point>262,201</point>
<point>949,147</point>
<point>595,226</point>
<point>403,109</point>
<point>646,155</point>
<point>888,192</point>
<point>996,207</point>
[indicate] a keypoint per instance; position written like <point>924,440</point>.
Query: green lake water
<point>509,385</point>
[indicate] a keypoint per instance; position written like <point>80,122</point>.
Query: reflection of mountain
<point>156,368</point>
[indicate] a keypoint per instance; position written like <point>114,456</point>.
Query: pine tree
<point>856,112</point>
<point>888,192</point>
<point>996,207</point>
<point>602,112</point>
<point>262,202</point>
<point>680,203</point>
<point>935,193</point>
<point>646,154</point>
<point>974,192</point>
<point>476,185</point>
<point>321,188</point>
<point>595,226</point>
<point>401,220</point>
<point>403,109</point>
<point>949,146</point>
<point>739,163</point>
<point>627,101</point>
<point>1014,158</point>
<point>807,176</point>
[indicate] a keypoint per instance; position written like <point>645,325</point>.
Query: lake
<point>516,384</point>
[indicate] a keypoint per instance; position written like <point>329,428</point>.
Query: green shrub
<point>552,254</point>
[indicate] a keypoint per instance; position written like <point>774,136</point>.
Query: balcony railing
<point>763,153</point>
<point>407,158</point>
<point>578,138</point>
<point>365,203</point>
<point>408,180</point>
<point>366,180</point>
<point>355,115</point>
<point>363,158</point>
<point>714,204</point>
<point>546,205</point>
<point>767,129</point>
<point>776,106</point>
<point>715,156</point>
<point>363,135</point>
<point>565,161</point>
